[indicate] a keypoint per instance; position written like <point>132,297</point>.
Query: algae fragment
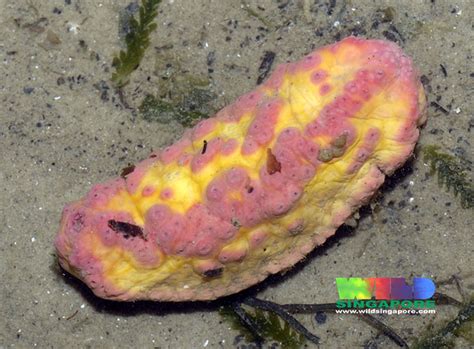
<point>160,110</point>
<point>179,86</point>
<point>252,13</point>
<point>137,41</point>
<point>444,338</point>
<point>451,173</point>
<point>272,327</point>
<point>182,96</point>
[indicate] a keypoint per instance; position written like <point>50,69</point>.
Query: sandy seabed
<point>63,127</point>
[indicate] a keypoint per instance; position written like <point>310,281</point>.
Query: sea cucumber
<point>251,191</point>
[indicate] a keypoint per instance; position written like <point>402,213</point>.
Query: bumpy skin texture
<point>252,190</point>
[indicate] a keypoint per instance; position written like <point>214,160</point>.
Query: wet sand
<point>63,127</point>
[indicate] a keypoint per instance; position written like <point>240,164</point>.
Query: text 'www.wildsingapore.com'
<point>389,309</point>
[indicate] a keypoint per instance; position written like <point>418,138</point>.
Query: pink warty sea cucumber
<point>254,189</point>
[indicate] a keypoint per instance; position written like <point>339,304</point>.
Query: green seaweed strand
<point>137,41</point>
<point>450,174</point>
<point>154,109</point>
<point>272,326</point>
<point>444,338</point>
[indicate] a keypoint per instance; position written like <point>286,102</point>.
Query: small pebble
<point>320,317</point>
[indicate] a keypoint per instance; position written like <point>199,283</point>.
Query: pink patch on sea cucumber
<point>318,76</point>
<point>257,238</point>
<point>204,233</point>
<point>171,234</point>
<point>249,146</point>
<point>185,159</point>
<point>203,128</point>
<point>166,194</point>
<point>276,79</point>
<point>244,104</point>
<point>309,62</point>
<point>175,150</point>
<point>229,146</point>
<point>331,119</point>
<point>324,89</point>
<point>296,227</point>
<point>261,130</point>
<point>236,178</point>
<point>216,189</point>
<point>100,194</point>
<point>200,159</point>
<point>366,149</point>
<point>148,191</point>
<point>133,179</point>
